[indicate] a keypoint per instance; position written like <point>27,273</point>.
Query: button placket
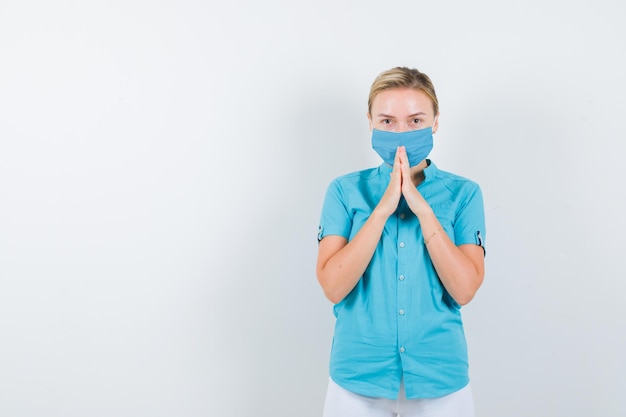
<point>405,237</point>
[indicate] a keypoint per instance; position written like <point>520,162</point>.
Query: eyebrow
<point>387,116</point>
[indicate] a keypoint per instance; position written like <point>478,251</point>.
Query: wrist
<point>380,214</point>
<point>432,235</point>
<point>424,213</point>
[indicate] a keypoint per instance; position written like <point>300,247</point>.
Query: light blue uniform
<point>399,322</point>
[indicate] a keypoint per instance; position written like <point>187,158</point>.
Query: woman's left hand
<point>460,268</point>
<point>413,197</point>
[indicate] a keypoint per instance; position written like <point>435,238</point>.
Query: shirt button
<point>402,216</point>
<point>402,349</point>
<point>401,312</point>
<point>401,277</point>
<point>401,244</point>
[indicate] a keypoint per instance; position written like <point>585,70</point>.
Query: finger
<point>400,155</point>
<point>404,160</point>
<point>405,157</point>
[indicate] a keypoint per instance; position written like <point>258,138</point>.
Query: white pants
<point>343,403</point>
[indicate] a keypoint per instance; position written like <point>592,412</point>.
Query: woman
<point>400,251</point>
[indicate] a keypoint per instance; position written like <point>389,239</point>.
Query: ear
<point>369,119</point>
<point>436,123</point>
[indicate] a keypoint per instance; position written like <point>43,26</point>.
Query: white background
<point>162,170</point>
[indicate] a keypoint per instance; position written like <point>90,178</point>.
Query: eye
<point>386,121</point>
<point>417,121</point>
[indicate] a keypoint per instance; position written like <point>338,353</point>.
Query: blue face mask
<point>418,144</point>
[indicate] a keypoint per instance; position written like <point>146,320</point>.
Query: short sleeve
<point>336,218</point>
<point>469,226</point>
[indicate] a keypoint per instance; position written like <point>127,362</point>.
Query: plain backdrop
<point>162,170</point>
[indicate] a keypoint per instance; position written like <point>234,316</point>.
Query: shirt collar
<point>429,172</point>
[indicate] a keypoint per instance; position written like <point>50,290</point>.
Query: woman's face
<point>401,110</point>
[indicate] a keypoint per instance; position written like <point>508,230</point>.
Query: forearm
<point>342,271</point>
<point>458,273</point>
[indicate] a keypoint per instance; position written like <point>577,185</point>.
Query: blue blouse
<point>399,322</point>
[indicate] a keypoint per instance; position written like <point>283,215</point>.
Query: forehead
<point>402,100</point>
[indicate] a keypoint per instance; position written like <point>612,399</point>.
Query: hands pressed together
<point>401,184</point>
<point>341,263</point>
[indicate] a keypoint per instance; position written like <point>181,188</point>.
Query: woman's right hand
<point>390,199</point>
<point>341,264</point>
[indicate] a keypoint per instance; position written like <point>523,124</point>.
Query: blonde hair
<point>403,77</point>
